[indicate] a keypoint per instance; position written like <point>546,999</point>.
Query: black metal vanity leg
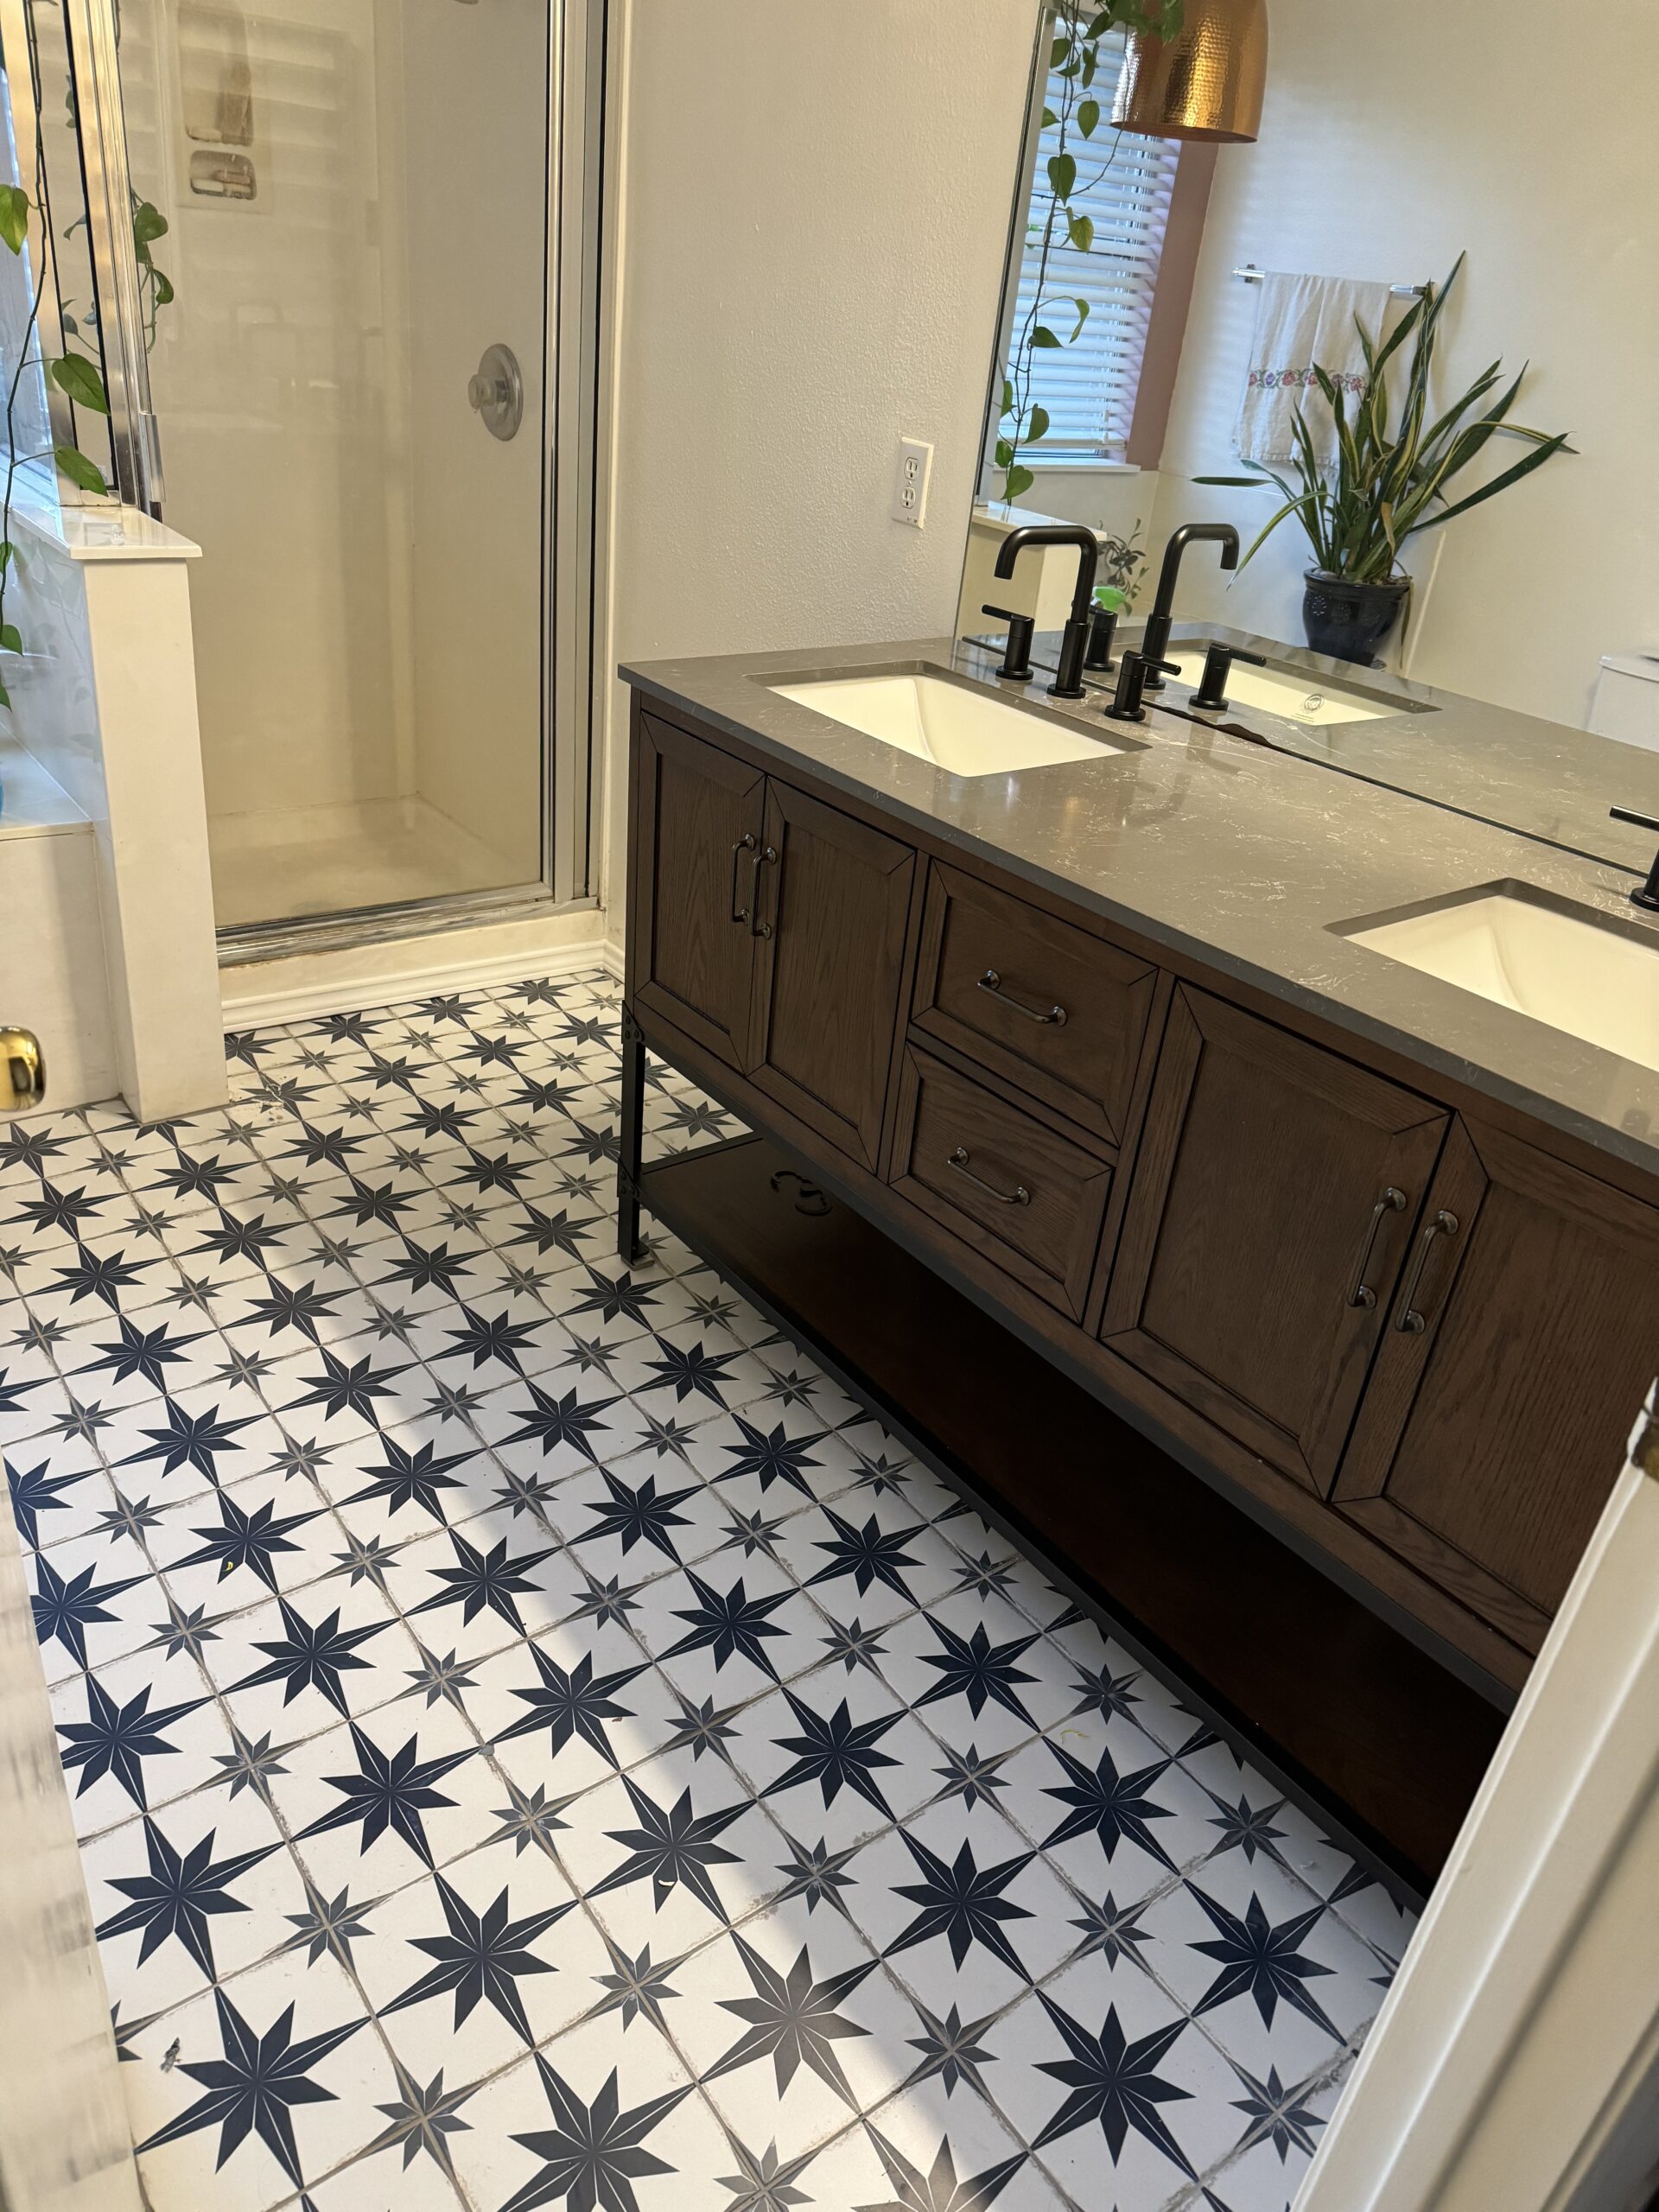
<point>633,1136</point>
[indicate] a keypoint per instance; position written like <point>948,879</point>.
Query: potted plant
<point>1390,478</point>
<point>1121,560</point>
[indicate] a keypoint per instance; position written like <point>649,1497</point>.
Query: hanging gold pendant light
<point>1206,82</point>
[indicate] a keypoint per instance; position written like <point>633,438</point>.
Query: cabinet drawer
<point>1002,1180</point>
<point>1042,1004</point>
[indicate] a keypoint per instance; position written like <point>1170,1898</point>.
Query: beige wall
<point>816,205</point>
<point>1394,136</point>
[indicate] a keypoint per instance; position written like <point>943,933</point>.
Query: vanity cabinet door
<point>832,919</point>
<point>1272,1209</point>
<point>1516,1360</point>
<point>699,820</point>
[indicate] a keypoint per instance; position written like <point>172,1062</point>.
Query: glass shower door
<point>347,364</point>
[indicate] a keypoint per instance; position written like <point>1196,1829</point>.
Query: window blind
<point>1123,185</point>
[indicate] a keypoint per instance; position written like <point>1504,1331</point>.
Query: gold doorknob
<point>23,1070</point>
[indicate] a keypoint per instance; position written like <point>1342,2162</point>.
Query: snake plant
<point>1391,478</point>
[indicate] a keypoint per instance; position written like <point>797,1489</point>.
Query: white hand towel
<point>1301,321</point>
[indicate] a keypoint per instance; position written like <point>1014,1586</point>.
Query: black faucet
<point>1645,894</point>
<point>1074,642</point>
<point>1211,697</point>
<point>1135,673</point>
<point>1155,642</point>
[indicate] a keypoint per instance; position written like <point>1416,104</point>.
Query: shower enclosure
<point>348,334</point>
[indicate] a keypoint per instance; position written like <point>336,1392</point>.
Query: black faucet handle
<point>1102,631</point>
<point>1647,894</point>
<point>1016,658</point>
<point>1211,697</point>
<point>1132,672</point>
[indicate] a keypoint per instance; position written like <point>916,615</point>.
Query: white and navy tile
<point>535,1739</point>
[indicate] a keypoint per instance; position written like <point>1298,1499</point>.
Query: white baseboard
<point>267,994</point>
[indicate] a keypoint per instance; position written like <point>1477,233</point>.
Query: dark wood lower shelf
<point>1382,1742</point>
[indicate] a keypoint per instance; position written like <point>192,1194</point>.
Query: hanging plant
<point>1056,317</point>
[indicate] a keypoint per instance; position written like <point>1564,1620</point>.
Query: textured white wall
<point>817,209</point>
<point>1392,138</point>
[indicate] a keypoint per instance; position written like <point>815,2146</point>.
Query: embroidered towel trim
<point>1301,321</point>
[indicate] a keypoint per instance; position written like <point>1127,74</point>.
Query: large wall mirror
<point>1388,279</point>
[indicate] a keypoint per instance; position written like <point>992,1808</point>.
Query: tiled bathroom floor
<point>536,1742</point>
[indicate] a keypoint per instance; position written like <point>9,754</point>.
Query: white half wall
<point>815,206</point>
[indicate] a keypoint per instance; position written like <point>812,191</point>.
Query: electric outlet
<point>909,481</point>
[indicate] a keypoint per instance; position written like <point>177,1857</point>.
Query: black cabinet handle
<point>992,983</point>
<point>768,853</point>
<point>745,844</point>
<point>1018,1196</point>
<point>1411,1323</point>
<point>1360,1292</point>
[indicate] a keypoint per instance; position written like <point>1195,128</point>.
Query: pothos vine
<point>75,374</point>
<point>1060,228</point>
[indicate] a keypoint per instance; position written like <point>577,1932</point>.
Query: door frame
<point>1515,2060</point>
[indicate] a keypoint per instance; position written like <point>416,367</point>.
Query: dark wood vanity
<point>1404,1320</point>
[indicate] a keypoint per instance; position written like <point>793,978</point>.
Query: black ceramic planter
<point>1347,620</point>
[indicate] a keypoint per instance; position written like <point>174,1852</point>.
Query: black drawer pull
<point>1412,1322</point>
<point>991,982</point>
<point>1020,1196</point>
<point>746,843</point>
<point>1360,1292</point>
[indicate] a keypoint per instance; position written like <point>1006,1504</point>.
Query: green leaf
<point>163,289</point>
<point>1004,454</point>
<point>76,375</point>
<point>1019,479</point>
<point>149,223</point>
<point>1082,307</point>
<point>5,697</point>
<point>1039,428</point>
<point>12,638</point>
<point>1109,597</point>
<point>1090,63</point>
<point>73,464</point>
<point>1062,175</point>
<point>1049,119</point>
<point>1088,117</point>
<point>1007,396</point>
<point>14,216</point>
<point>1101,25</point>
<point>1081,231</point>
<point>1057,52</point>
<point>1043,338</point>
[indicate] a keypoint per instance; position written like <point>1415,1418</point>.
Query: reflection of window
<point>30,426</point>
<point>1124,185</point>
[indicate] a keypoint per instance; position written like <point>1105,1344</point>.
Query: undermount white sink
<point>1294,698</point>
<point>956,726</point>
<point>1573,972</point>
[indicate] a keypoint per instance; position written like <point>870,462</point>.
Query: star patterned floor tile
<point>536,1740</point>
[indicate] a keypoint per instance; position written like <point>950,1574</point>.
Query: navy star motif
<point>66,1606</point>
<point>411,1477</point>
<point>254,2087</point>
<point>116,1740</point>
<point>238,1237</point>
<point>578,1703</point>
<point>594,2153</point>
<point>69,1211</point>
<point>817,1874</point>
<point>341,1387</point>
<point>596,1145</point>
<point>493,1173</point>
<point>373,1202</point>
<point>248,1765</point>
<point>975,1669</point>
<point>134,1351</point>
<point>635,1516</point>
<point>102,1275</point>
<point>31,1148</point>
<point>619,1297</point>
<point>730,1623</point>
<point>938,2190</point>
<point>530,1817</point>
<point>703,1727</point>
<point>485,1339</point>
<point>191,1176</point>
<point>188,1439</point>
<point>970,1776</point>
<point>1112,1929</point>
<point>248,1538</point>
<point>554,1232</point>
<point>185,1630</point>
<point>33,1493</point>
<point>1113,1805</point>
<point>854,1645</point>
<point>869,1555</point>
<point>304,1656</point>
<point>1114,2081</point>
<point>1101,1691</point>
<point>420,2119</point>
<point>794,2019</point>
<point>750,1533</point>
<point>483,1957</point>
<point>835,1751</point>
<point>1248,1828</point>
<point>435,1117</point>
<point>951,2047</point>
<point>1262,1961</point>
<point>551,1421</point>
<point>636,1985</point>
<point>391,1789</point>
<point>489,1580</point>
<point>429,1267</point>
<point>328,1926</point>
<point>672,1847</point>
<point>774,1457</point>
<point>691,1371</point>
<point>178,1896</point>
<point>962,1901</point>
<point>322,1148</point>
<point>1284,2117</point>
<point>437,1677</point>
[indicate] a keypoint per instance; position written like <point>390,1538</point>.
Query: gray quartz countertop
<point>1247,859</point>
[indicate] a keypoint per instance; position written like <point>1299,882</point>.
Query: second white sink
<point>958,726</point>
<point>1294,697</point>
<point>1576,973</point>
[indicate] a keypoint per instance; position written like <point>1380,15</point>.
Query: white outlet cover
<point>914,466</point>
